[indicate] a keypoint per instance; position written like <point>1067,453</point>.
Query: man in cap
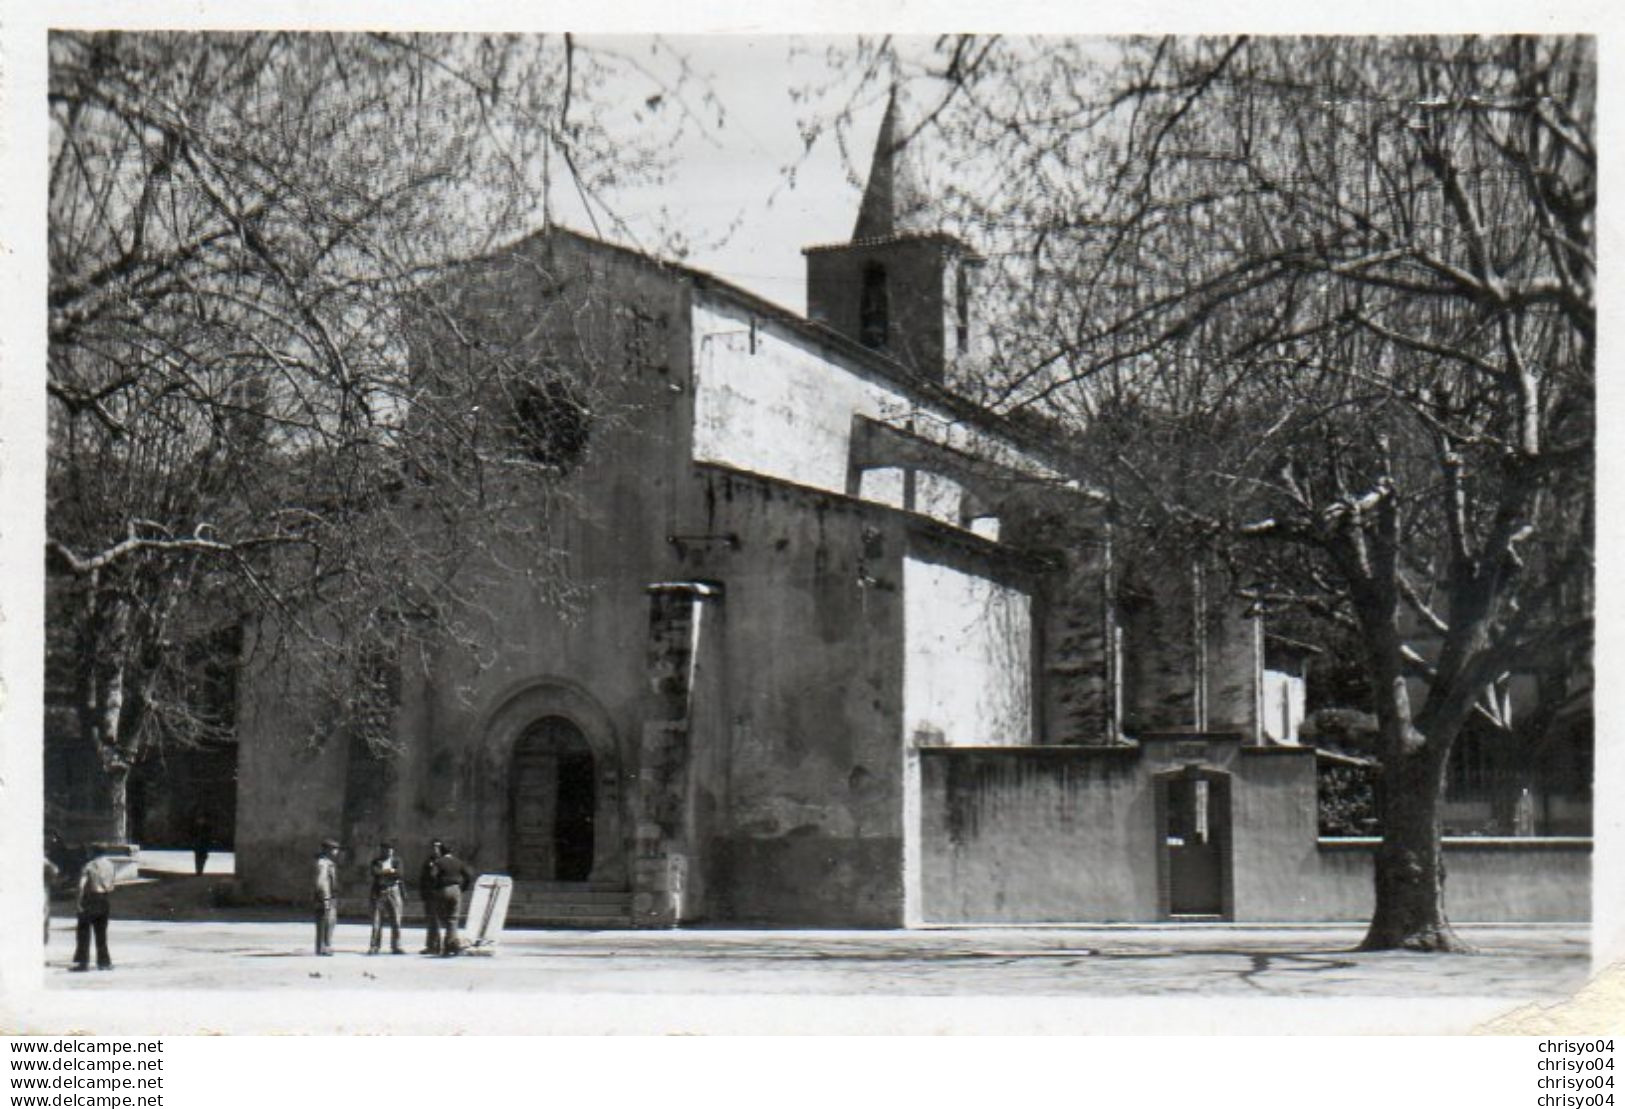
<point>326,895</point>
<point>426,890</point>
<point>386,898</point>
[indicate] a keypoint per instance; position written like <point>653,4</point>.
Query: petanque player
<point>451,877</point>
<point>326,895</point>
<point>96,883</point>
<point>386,898</point>
<point>426,890</point>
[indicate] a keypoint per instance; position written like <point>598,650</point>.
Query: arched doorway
<point>554,803</point>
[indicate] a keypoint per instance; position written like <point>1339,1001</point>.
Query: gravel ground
<point>1510,962</point>
<point>181,966</point>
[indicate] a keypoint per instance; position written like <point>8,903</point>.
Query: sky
<point>728,192</point>
<point>744,218</point>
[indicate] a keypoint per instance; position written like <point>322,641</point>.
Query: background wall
<point>967,668</point>
<point>772,400</point>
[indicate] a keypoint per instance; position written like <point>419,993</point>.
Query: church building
<point>848,651</point>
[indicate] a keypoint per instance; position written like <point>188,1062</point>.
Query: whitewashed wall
<point>967,663</point>
<point>1283,707</point>
<point>784,409</point>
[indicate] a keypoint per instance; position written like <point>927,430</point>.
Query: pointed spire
<point>895,199</point>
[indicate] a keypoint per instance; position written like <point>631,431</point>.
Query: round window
<point>551,423</point>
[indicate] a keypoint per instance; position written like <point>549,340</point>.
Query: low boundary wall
<point>1032,835</point>
<point>1487,879</point>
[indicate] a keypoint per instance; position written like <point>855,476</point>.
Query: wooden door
<point>554,803</point>
<point>535,798</point>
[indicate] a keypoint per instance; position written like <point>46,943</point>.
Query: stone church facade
<point>846,653</point>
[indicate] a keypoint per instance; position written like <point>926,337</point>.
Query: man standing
<point>96,883</point>
<point>386,898</point>
<point>51,875</point>
<point>202,834</point>
<point>451,877</point>
<point>426,890</point>
<point>326,894</point>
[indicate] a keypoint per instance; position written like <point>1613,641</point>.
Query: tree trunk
<point>1408,871</point>
<point>118,804</point>
<point>102,708</point>
<point>1409,867</point>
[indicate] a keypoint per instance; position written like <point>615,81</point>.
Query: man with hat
<point>327,895</point>
<point>386,898</point>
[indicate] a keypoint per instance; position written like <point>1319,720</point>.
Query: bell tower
<point>902,286</point>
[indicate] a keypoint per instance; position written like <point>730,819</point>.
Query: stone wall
<point>1071,834</point>
<point>1154,610</point>
<point>1006,836</point>
<point>1232,662</point>
<point>461,710</point>
<point>1514,879</point>
<point>919,273</point>
<point>775,401</point>
<point>968,653</point>
<point>806,748</point>
<point>1190,658</point>
<point>671,822</point>
<point>1075,625</point>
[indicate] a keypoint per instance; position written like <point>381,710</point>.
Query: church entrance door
<point>554,802</point>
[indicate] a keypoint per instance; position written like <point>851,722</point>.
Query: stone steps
<point>530,885</point>
<point>570,905</point>
<point>556,905</point>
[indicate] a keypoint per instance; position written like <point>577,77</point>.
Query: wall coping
<point>696,588</point>
<point>919,524</point>
<point>1275,749</point>
<point>1493,843</point>
<point>1192,735</point>
<point>1033,748</point>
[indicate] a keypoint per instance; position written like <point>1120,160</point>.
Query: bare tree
<point>238,223</point>
<point>1326,306</point>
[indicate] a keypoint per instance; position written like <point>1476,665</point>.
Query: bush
<point>1347,801</point>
